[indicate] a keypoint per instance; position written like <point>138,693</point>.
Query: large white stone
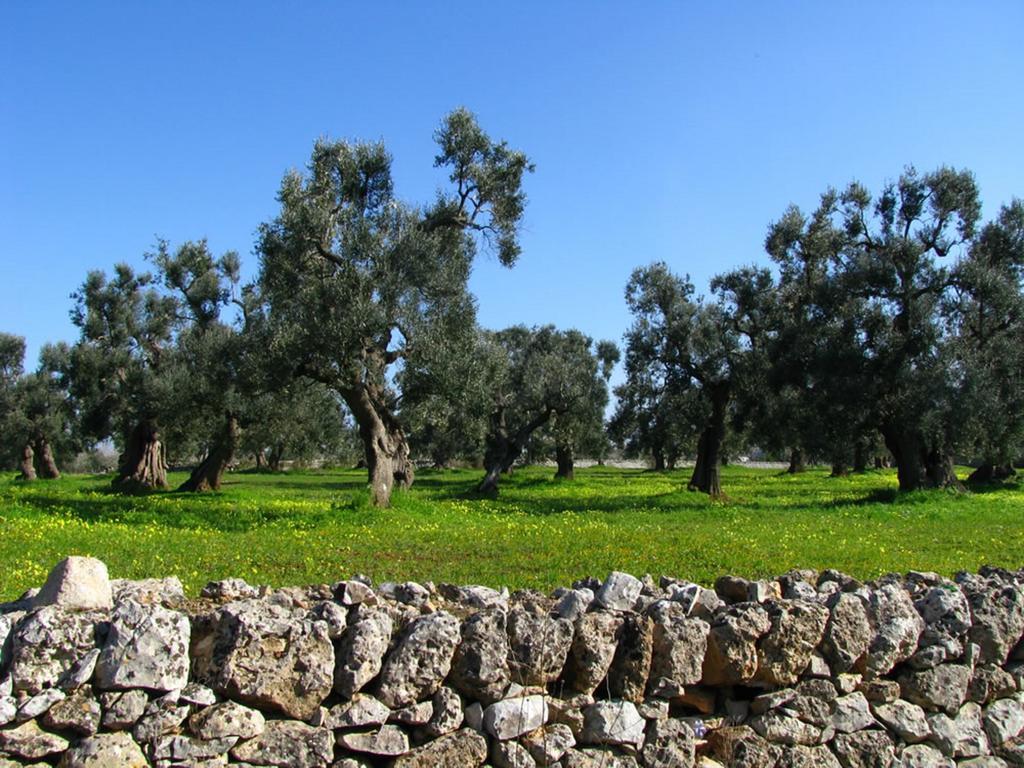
<point>77,584</point>
<point>147,647</point>
<point>511,718</point>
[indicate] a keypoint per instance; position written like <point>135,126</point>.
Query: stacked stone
<point>805,670</point>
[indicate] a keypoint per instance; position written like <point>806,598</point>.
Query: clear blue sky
<point>660,131</point>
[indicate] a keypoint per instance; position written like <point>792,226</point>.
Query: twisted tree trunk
<point>918,467</point>
<point>142,467</point>
<point>564,460</point>
<point>503,447</point>
<point>707,476</point>
<point>208,475</point>
<point>991,472</point>
<point>26,464</point>
<point>44,459</point>
<point>797,461</point>
<point>384,443</point>
<point>659,458</point>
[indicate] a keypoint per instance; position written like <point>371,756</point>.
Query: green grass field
<point>314,527</point>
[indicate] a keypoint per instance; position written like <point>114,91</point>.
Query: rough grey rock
<point>1004,720</point>
<point>510,754</point>
<point>362,711</point>
<point>669,743</point>
<point>989,683</point>
<point>538,646</point>
<point>997,615</point>
<point>146,647</point>
<point>77,584</point>
<point>474,595</point>
<point>897,626</point>
<point>80,672</point>
<point>386,741</point>
<point>200,695</point>
<point>731,656</point>
<point>40,703</point>
<point>779,727</point>
<point>122,710</point>
<point>447,715</point>
<point>613,722</point>
<point>943,687</point>
<point>29,741</point>
<point>230,589</point>
<point>631,665</point>
<point>420,661</point>
<point>924,756</point>
<point>785,650</point>
<point>162,717</point>
<point>78,713</point>
<point>480,666</point>
<point>420,713</point>
<point>225,720</point>
<point>592,650</point>
<point>945,611</point>
<point>192,751</point>
<point>511,718</point>
<point>852,713</point>
<point>546,745</point>
<point>574,603</point>
<point>678,646</point>
<point>333,615</point>
<point>105,750</point>
<point>288,744</point>
<point>167,591</point>
<point>465,747</point>
<point>864,749</point>
<point>362,648</point>
<point>619,591</point>
<point>47,643</point>
<point>264,656</point>
<point>906,720</point>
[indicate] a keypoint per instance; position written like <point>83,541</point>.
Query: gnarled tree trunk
<point>707,476</point>
<point>991,472</point>
<point>860,458</point>
<point>797,461</point>
<point>44,459</point>
<point>384,443</point>
<point>142,466</point>
<point>839,469</point>
<point>916,466</point>
<point>26,464</point>
<point>659,459</point>
<point>503,448</point>
<point>207,476</point>
<point>564,460</point>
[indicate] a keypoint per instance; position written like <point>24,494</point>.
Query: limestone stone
<point>989,682</point>
<point>105,750</point>
<point>852,713</point>
<point>943,687</point>
<point>29,741</point>
<point>781,728</point>
<point>47,643</point>
<point>362,711</point>
<point>924,756</point>
<point>619,591</point>
<point>266,657</point>
<point>906,720</point>
<point>386,741</point>
<point>678,646</point>
<point>122,710</point>
<point>511,754</point>
<point>162,717</point>
<point>420,713</point>
<point>480,668</point>
<point>997,615</point>
<point>465,747</point>
<point>474,595</point>
<point>537,646</point>
<point>546,745</point>
<point>288,744</point>
<point>420,661</point>
<point>945,611</point>
<point>1004,720</point>
<point>447,715</point>
<point>613,722</point>
<point>631,665</point>
<point>39,704</point>
<point>77,584</point>
<point>785,650</point>
<point>225,720</point>
<point>146,647</point>
<point>190,750</point>
<point>731,656</point>
<point>897,627</point>
<point>362,648</point>
<point>8,709</point>
<point>864,749</point>
<point>802,756</point>
<point>200,695</point>
<point>80,672</point>
<point>574,603</point>
<point>333,615</point>
<point>166,591</point>
<point>511,718</point>
<point>592,650</point>
<point>669,743</point>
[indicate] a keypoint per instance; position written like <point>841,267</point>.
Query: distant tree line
<point>891,326</point>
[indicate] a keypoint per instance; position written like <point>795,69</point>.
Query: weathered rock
<point>989,683</point>
<point>166,591</point>
<point>288,744</point>
<point>386,741</point>
<point>420,713</point>
<point>511,754</point>
<point>574,603</point>
<point>47,643</point>
<point>631,665</point>
<point>362,711</point>
<point>77,584</point>
<point>592,650</point>
<point>962,736</point>
<point>864,749</point>
<point>852,713</point>
<point>678,647</point>
<point>997,615</point>
<point>29,741</point>
<point>333,615</point>
<point>362,648</point>
<point>200,695</point>
<point>613,722</point>
<point>122,710</point>
<point>146,647</point>
<point>538,645</point>
<point>897,627</point>
<point>943,687</point>
<point>465,747</point>
<point>78,713</point>
<point>447,715</point>
<point>945,611</point>
<point>39,704</point>
<point>162,717</point>
<point>803,756</point>
<point>266,657</point>
<point>511,718</point>
<point>225,720</point>
<point>192,751</point>
<point>421,660</point>
<point>669,743</point>
<point>105,750</point>
<point>784,652</point>
<point>230,589</point>
<point>81,672</point>
<point>619,591</point>
<point>480,666</point>
<point>741,747</point>
<point>924,756</point>
<point>906,720</point>
<point>779,727</point>
<point>546,745</point>
<point>474,595</point>
<point>1004,720</point>
<point>731,656</point>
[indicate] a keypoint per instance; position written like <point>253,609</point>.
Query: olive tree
<point>356,280</point>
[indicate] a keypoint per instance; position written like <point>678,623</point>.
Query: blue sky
<point>660,131</point>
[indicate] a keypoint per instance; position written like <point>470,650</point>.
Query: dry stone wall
<point>809,669</point>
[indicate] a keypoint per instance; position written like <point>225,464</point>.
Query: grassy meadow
<point>313,527</point>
